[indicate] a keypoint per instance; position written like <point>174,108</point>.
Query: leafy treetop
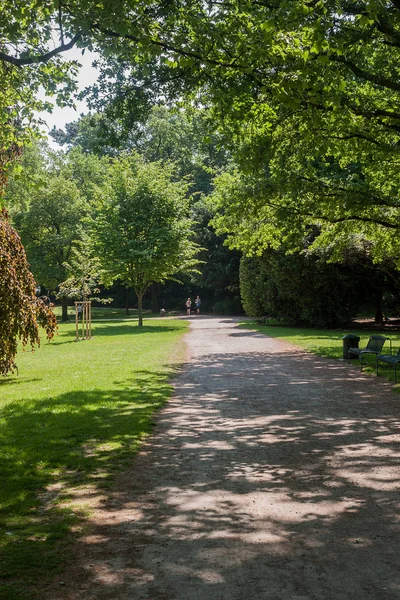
<point>142,232</point>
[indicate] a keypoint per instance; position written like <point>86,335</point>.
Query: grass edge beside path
<point>328,343</point>
<point>73,419</point>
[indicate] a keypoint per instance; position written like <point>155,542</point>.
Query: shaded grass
<point>109,312</point>
<point>329,342</point>
<point>73,418</point>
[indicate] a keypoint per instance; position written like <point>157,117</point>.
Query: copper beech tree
<point>21,312</point>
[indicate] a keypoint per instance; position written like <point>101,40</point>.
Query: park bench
<point>390,360</point>
<point>374,346</point>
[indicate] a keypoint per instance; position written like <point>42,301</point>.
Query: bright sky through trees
<point>87,76</point>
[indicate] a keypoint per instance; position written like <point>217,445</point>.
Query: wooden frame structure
<point>83,313</point>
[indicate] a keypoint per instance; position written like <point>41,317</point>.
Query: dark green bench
<point>374,346</point>
<point>389,360</point>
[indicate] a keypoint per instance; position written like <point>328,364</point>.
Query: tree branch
<point>360,193</point>
<point>368,114</point>
<point>40,58</point>
<point>60,22</point>
<point>386,224</point>
<point>381,81</point>
<point>167,47</point>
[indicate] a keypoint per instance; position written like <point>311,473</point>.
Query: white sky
<point>87,76</point>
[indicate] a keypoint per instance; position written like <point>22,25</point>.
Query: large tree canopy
<point>307,91</point>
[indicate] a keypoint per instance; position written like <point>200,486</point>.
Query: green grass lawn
<point>73,417</point>
<point>329,342</point>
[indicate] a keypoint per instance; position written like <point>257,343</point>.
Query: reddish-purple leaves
<point>21,312</point>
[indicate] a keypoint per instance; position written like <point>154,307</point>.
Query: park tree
<point>182,136</point>
<point>310,287</point>
<point>49,228</point>
<point>83,272</point>
<point>142,231</point>
<point>92,133</point>
<point>306,95</point>
<point>48,199</point>
<point>21,312</point>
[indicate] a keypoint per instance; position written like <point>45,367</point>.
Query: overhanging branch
<point>381,81</point>
<point>40,58</point>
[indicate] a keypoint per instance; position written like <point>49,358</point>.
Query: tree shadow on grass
<point>272,476</point>
<point>47,448</point>
<point>13,380</point>
<point>117,329</point>
<point>132,330</point>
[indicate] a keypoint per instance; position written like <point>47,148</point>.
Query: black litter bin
<point>350,341</point>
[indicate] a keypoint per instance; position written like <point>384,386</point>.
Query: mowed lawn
<point>72,418</point>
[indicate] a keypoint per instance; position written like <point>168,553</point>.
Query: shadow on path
<point>272,476</point>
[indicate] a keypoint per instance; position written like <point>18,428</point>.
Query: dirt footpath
<point>271,474</point>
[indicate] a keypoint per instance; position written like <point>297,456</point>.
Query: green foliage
<point>50,197</point>
<point>316,133</point>
<point>50,226</point>
<point>84,273</point>
<point>300,288</point>
<point>254,285</point>
<point>28,173</point>
<point>182,136</point>
<point>93,134</point>
<point>220,272</point>
<point>306,95</point>
<point>30,62</point>
<point>21,312</point>
<point>142,231</point>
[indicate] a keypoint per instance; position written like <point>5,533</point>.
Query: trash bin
<point>350,341</point>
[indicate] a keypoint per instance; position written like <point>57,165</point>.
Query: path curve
<point>271,474</point>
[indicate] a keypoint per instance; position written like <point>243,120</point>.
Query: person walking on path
<point>188,305</point>
<point>197,303</point>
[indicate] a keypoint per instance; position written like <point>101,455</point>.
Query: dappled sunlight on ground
<point>271,474</point>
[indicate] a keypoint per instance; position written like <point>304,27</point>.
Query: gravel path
<point>271,474</point>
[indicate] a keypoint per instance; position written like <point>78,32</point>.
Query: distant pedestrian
<point>188,305</point>
<point>197,303</point>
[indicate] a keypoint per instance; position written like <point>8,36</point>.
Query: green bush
<point>228,307</point>
<point>300,288</point>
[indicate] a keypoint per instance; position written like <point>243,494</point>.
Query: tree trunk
<point>378,306</point>
<point>64,310</point>
<point>140,308</point>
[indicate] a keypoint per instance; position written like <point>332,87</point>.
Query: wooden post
<point>87,319</point>
<point>90,320</point>
<point>83,307</point>
<point>76,322</point>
